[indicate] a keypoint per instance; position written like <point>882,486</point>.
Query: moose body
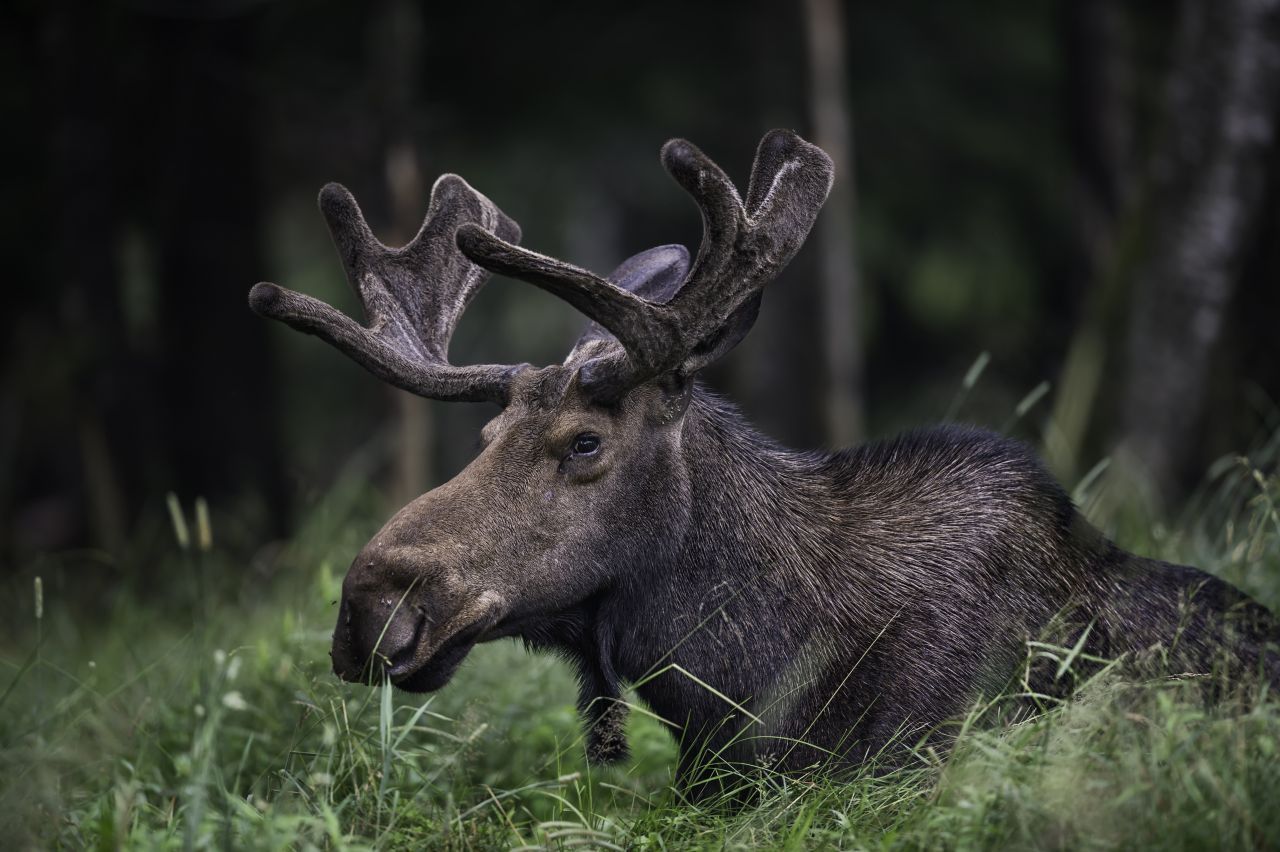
<point>771,606</point>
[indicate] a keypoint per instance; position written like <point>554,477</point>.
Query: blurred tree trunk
<point>84,274</point>
<point>1208,179</point>
<point>774,375</point>
<point>398,47</point>
<point>217,384</point>
<point>1098,104</point>
<point>842,343</point>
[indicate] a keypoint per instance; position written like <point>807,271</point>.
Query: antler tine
<point>413,297</point>
<point>624,314</point>
<point>743,248</point>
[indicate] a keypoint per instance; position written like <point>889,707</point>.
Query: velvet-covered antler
<point>743,247</point>
<point>413,297</point>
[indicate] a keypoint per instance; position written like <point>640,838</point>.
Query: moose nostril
<point>373,636</point>
<point>398,646</point>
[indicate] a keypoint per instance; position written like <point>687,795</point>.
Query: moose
<point>774,607</point>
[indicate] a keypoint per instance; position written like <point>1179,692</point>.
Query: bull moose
<point>773,606</point>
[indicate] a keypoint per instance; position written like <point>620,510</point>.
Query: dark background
<point>1086,191</point>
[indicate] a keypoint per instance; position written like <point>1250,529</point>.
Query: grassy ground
<point>210,720</point>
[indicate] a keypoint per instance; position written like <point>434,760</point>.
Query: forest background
<point>1077,193</point>
<point>1059,219</point>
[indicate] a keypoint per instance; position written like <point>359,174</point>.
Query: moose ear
<point>654,274</point>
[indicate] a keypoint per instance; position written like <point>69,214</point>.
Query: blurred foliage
<point>968,181</point>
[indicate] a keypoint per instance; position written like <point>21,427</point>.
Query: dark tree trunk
<point>1098,109</point>
<point>104,402</point>
<point>774,371</point>
<point>217,383</point>
<point>397,50</point>
<point>833,132</point>
<point>1209,176</point>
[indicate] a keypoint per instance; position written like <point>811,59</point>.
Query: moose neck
<point>755,544</point>
<point>754,503</point>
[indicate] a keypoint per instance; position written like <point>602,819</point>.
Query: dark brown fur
<point>774,607</point>
<point>848,601</point>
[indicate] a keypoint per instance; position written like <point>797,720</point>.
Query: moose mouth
<point>440,667</point>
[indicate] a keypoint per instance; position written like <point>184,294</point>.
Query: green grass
<point>211,721</point>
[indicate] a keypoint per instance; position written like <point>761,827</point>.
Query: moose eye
<point>586,444</point>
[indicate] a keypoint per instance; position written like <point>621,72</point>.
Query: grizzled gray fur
<point>772,606</point>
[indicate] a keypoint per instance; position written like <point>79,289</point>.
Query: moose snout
<point>375,634</point>
<point>406,613</point>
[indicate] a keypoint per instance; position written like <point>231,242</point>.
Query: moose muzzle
<point>375,634</point>
<point>408,623</point>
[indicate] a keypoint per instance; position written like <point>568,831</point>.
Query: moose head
<point>581,477</point>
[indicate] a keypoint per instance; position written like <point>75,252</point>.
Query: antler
<point>743,248</point>
<point>412,296</point>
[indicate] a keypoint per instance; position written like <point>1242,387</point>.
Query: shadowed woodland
<point>1086,192</point>
<point>1060,220</point>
